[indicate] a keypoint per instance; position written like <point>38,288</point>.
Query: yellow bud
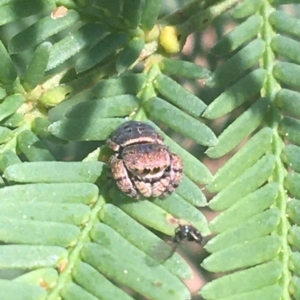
<point>169,39</point>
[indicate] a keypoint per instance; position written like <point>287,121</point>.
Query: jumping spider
<point>143,165</point>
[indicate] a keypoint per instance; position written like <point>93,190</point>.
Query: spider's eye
<point>146,171</point>
<point>155,170</point>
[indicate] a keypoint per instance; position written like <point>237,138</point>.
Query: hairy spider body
<point>142,164</point>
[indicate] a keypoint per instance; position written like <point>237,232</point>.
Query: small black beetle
<point>187,232</point>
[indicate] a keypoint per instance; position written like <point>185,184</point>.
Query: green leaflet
<point>295,282</point>
<point>249,181</point>
<point>33,148</point>
<point>74,42</point>
<point>291,183</point>
<point>267,293</point>
<point>245,208</point>
<point>290,127</point>
<point>294,237</point>
<point>10,105</point>
<point>3,2</point>
<point>8,73</point>
<point>85,193</point>
<point>293,210</point>
<point>5,134</point>
<point>41,30</point>
<point>96,284</point>
<point>110,8</point>
<point>179,121</point>
<point>131,12</point>
<point>179,96</point>
<point>285,23</point>
<point>243,255</point>
<point>28,232</point>
<point>286,47</point>
<point>240,128</point>
<point>295,263</point>
<point>20,291</point>
<point>37,67</point>
<point>100,51</point>
<point>256,227</point>
<point>12,12</point>
<point>29,257</point>
<point>150,14</point>
<point>288,101</point>
<point>236,95</point>
<point>257,146</point>
<point>117,106</point>
<point>189,191</point>
<point>111,253</point>
<point>132,231</point>
<point>255,278</point>
<point>54,172</point>
<point>75,292</point>
<point>246,8</point>
<point>40,128</point>
<point>79,88</point>
<point>48,275</point>
<point>3,93</point>
<point>85,129</point>
<point>129,55</point>
<point>71,213</point>
<point>15,120</point>
<point>126,84</point>
<point>291,156</point>
<point>232,68</point>
<point>285,72</point>
<point>159,218</point>
<point>8,158</point>
<point>239,35</point>
<point>58,112</point>
<point>183,68</point>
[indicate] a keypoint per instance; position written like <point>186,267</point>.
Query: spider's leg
<point>122,178</point>
<point>175,175</point>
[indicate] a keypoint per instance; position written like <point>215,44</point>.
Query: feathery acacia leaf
<point>40,31</point>
<point>150,13</point>
<point>245,124</point>
<point>174,118</point>
<point>237,64</point>
<point>245,208</point>
<point>74,73</point>
<point>237,283</point>
<point>37,67</point>
<point>8,72</point>
<point>183,68</point>
<point>236,95</point>
<point>12,11</point>
<point>179,96</point>
<point>246,9</point>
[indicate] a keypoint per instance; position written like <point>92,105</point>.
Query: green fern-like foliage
<point>73,71</point>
